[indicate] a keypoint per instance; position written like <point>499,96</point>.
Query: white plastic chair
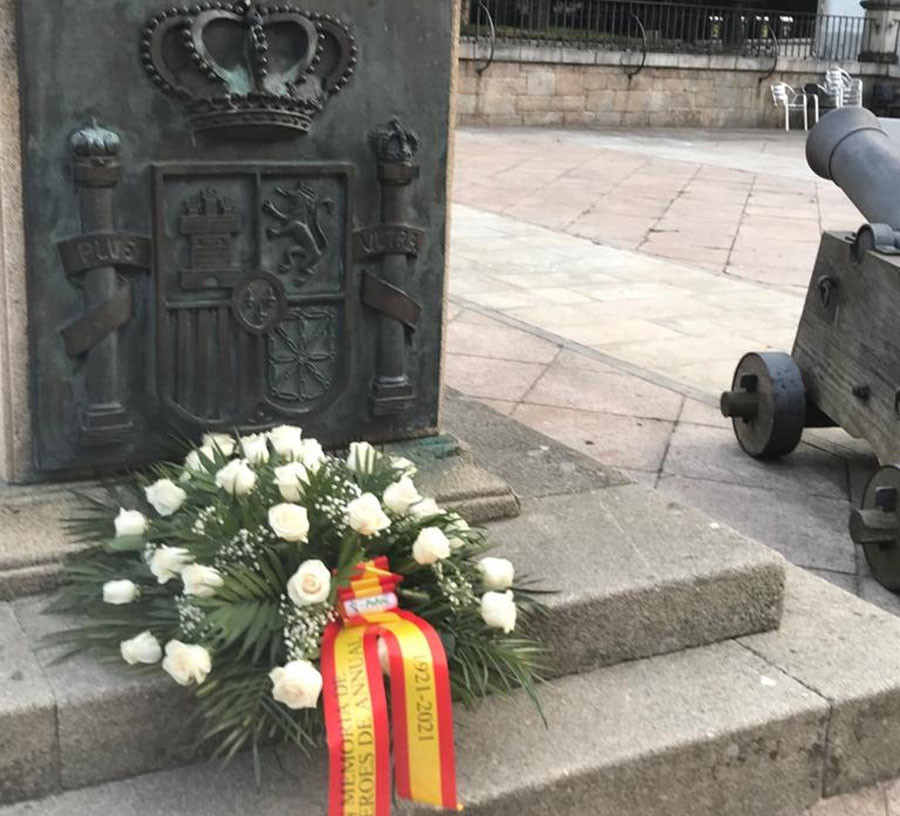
<point>846,90</point>
<point>783,95</point>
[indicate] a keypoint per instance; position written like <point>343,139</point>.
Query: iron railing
<point>615,25</point>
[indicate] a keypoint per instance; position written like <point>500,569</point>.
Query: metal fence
<point>619,25</point>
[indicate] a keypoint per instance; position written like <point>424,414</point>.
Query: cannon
<point>845,365</point>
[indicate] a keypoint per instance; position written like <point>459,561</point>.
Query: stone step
<point>759,726</point>
<point>32,539</point>
<point>637,575</point>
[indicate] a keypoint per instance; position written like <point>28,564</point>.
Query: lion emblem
<point>298,214</point>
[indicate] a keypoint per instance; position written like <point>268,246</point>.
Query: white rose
<point>297,684</point>
<point>425,508</point>
<point>236,478</point>
<point>365,516</point>
<point>286,440</point>
<point>224,443</point>
<point>497,573</point>
<point>310,453</point>
<point>198,460</point>
<point>130,523</point>
<point>457,524</point>
<point>119,592</point>
<point>310,584</point>
<point>362,458</point>
<point>201,581</point>
<point>165,496</point>
<point>401,495</point>
<point>185,663</point>
<point>288,480</point>
<point>431,546</point>
<point>404,465</point>
<point>289,522</point>
<point>499,610</point>
<point>143,648</point>
<point>167,563</point>
<point>255,448</point>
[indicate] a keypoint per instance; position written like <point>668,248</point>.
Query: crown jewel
<point>249,69</point>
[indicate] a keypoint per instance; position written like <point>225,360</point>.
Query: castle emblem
<point>249,70</point>
<point>210,222</point>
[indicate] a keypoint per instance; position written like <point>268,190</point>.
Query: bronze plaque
<point>235,219</point>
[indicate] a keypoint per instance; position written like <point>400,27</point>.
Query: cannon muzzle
<point>850,147</point>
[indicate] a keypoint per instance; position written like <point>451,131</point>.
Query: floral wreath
<point>249,572</point>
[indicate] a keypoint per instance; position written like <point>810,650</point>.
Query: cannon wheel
<point>876,526</point>
<point>767,404</point>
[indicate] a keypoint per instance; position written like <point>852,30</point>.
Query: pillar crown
<point>95,142</point>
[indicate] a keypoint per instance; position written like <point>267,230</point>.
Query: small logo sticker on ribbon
<point>354,607</point>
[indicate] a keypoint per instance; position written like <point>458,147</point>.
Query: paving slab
<point>710,732</point>
<point>493,379</point>
<point>611,439</point>
<point>713,454</point>
<point>810,531</point>
<point>848,651</point>
<point>610,393</point>
<point>695,412</point>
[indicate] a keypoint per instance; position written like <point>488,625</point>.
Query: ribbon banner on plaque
<point>356,710</point>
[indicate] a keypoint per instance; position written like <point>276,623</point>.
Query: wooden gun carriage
<point>845,365</point>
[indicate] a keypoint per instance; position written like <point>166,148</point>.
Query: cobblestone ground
<point>604,286</point>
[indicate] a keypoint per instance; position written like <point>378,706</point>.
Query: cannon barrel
<point>850,147</point>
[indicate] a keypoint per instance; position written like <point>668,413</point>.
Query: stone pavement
<point>604,286</point>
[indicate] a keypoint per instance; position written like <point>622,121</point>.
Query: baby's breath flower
<point>454,585</point>
<point>304,627</point>
<point>190,618</point>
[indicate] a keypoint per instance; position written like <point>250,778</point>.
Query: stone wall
<point>540,86</point>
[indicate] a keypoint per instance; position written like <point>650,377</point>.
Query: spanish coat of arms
<point>252,265</point>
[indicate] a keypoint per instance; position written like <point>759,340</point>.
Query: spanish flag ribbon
<point>356,711</point>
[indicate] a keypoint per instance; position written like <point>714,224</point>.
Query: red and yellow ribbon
<point>356,712</point>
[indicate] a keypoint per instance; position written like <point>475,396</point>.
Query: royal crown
<point>249,69</point>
